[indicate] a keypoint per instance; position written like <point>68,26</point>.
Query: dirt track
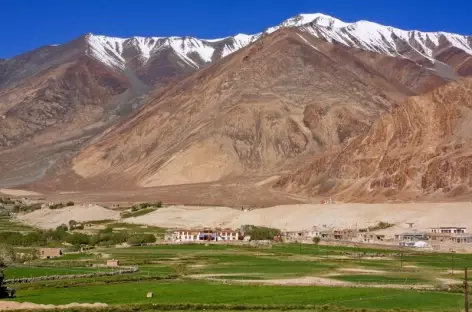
<point>10,305</point>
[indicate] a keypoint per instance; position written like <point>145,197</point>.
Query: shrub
<point>144,205</point>
<point>57,206</point>
<point>141,239</point>
<point>260,232</point>
<point>78,239</point>
<point>316,240</point>
<point>379,226</point>
<point>6,201</point>
<point>70,203</point>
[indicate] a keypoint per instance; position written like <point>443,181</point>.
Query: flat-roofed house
<point>449,230</point>
<point>186,235</point>
<point>412,236</point>
<point>227,235</point>
<point>113,263</point>
<point>46,253</point>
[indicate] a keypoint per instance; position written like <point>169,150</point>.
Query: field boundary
<point>99,307</point>
<point>127,270</point>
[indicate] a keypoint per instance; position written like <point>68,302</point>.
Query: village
<point>433,238</point>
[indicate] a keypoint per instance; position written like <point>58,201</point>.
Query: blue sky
<point>28,24</point>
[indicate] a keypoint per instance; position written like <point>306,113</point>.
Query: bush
<point>78,239</point>
<point>316,240</point>
<point>138,213</point>
<point>70,203</point>
<point>379,226</point>
<point>138,239</point>
<point>260,232</point>
<point>6,201</point>
<point>26,208</point>
<point>144,205</point>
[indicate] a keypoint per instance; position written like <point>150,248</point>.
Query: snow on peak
<point>321,20</point>
<point>384,39</point>
<point>117,52</point>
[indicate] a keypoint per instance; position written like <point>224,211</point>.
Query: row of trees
<point>105,237</point>
<point>260,232</point>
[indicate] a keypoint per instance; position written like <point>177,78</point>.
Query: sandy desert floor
<point>293,217</point>
<point>305,216</point>
<point>52,218</point>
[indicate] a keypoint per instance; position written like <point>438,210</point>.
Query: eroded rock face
<point>423,149</point>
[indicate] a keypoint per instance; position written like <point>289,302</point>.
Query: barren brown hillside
<point>251,113</point>
<point>422,150</point>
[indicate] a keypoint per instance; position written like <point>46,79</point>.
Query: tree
<point>141,239</point>
<point>62,227</point>
<point>72,224</point>
<point>78,239</point>
<point>7,255</point>
<point>316,240</point>
<point>260,232</point>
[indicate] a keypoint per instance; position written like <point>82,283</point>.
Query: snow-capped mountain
<point>193,52</point>
<point>381,39</point>
<point>431,48</point>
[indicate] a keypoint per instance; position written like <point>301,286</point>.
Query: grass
<point>138,213</point>
<point>136,228</point>
<point>273,267</point>
<point>9,225</point>
<point>240,277</point>
<point>382,279</point>
<point>20,272</point>
<point>73,256</point>
<point>206,292</point>
<point>98,222</point>
<point>243,262</point>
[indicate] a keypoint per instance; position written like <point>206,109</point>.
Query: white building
<point>227,235</point>
<point>185,235</point>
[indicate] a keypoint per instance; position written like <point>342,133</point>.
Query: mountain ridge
<point>419,46</point>
<point>247,105</point>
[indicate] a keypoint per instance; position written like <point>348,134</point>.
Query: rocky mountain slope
<point>251,113</point>
<point>137,64</point>
<point>245,105</point>
<point>423,149</point>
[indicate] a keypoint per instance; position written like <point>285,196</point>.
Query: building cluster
<point>412,238</point>
<point>205,234</point>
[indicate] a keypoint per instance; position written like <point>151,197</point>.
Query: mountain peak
<point>366,35</point>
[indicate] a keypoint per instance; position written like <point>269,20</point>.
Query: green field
<point>20,272</point>
<point>6,224</point>
<point>178,274</point>
<point>205,292</point>
<point>382,279</point>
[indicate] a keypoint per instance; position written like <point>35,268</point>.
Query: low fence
<point>125,270</point>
